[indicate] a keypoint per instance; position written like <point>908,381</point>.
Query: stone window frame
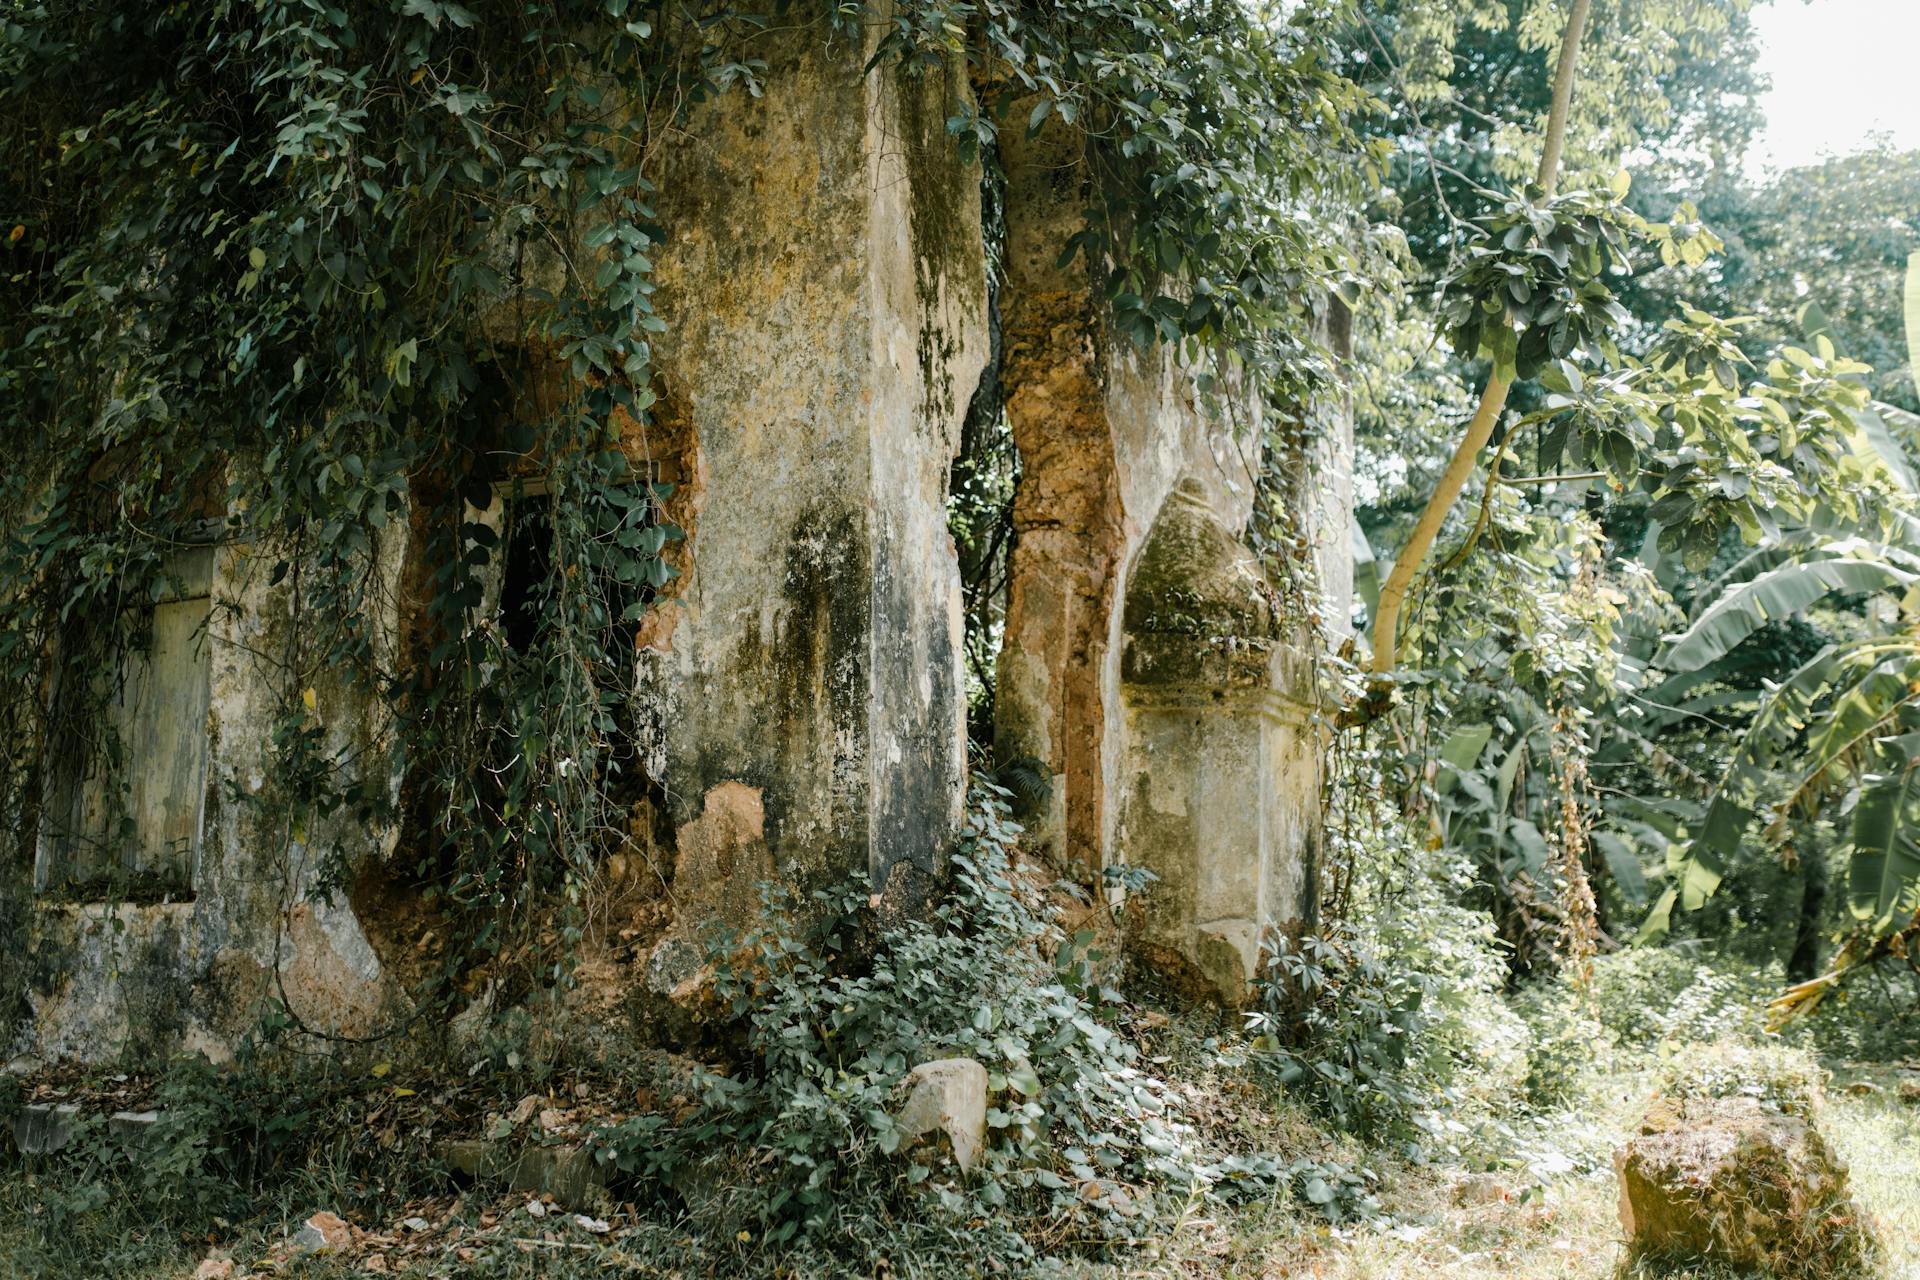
<point>140,870</point>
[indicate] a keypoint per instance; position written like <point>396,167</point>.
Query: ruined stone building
<point>802,696</point>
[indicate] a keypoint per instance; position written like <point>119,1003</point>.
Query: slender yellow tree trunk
<point>1386,625</point>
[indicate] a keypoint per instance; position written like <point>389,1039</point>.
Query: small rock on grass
<point>324,1232</point>
<point>1484,1188</point>
<point>947,1098</point>
<point>214,1269</point>
<point>1910,1091</point>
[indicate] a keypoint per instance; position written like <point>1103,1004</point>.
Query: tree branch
<point>1493,399</point>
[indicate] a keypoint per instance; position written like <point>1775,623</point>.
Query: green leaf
<point>1883,877</point>
<point>1825,712</point>
<point>1464,745</point>
<point>1813,321</point>
<point>1874,445</point>
<point>1780,593</point>
<point>1659,920</point>
<point>1041,110</point>
<point>1622,865</point>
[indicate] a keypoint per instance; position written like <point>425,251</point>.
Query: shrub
<point>798,1141</point>
<point>1565,1040</point>
<point>831,1033</point>
<point>219,1133</point>
<point>1780,1076</point>
<point>1380,1020</point>
<point>1644,995</point>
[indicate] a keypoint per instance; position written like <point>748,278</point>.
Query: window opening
<point>127,792</point>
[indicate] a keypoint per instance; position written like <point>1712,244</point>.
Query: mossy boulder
<point>1735,1181</point>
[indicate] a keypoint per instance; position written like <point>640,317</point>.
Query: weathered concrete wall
<point>801,706</point>
<point>1104,432</point>
<point>800,711</point>
<point>826,296</point>
<point>105,979</point>
<point>1221,789</point>
<point>1186,748</point>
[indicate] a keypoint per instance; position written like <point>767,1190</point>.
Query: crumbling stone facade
<point>801,709</point>
<point>1145,662</point>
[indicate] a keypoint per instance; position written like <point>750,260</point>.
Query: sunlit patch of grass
<point>1880,1139</point>
<point>1569,1229</point>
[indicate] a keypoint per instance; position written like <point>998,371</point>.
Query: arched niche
<point>1220,776</point>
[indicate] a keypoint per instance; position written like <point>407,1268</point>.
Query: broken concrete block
<point>568,1174</point>
<point>947,1098</point>
<point>678,970</point>
<point>324,1232</point>
<point>1730,1180</point>
<point>131,1124</point>
<point>42,1129</point>
<point>469,1156</point>
<point>1227,953</point>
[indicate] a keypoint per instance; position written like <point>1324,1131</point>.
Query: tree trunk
<point>1804,964</point>
<point>1406,567</point>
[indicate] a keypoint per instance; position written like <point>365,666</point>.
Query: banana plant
<point>1841,734</point>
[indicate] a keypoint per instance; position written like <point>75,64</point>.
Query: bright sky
<point>1841,69</point>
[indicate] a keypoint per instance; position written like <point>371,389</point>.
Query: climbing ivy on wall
<point>290,274</point>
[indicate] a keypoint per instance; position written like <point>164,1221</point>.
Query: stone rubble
<point>946,1099</point>
<point>324,1232</point>
<point>1730,1180</point>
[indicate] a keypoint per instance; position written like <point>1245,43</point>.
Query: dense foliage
<point>808,1125</point>
<point>325,284</point>
<point>1667,470</point>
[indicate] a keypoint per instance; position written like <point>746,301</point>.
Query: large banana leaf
<point>1819,720</point>
<point>1884,874</point>
<point>1623,865</point>
<point>1668,702</point>
<point>1777,594</point>
<point>1874,444</point>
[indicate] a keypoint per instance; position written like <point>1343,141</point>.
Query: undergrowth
<point>789,1148</point>
<point>1392,1018</point>
<point>1085,1141</point>
<point>1385,1058</point>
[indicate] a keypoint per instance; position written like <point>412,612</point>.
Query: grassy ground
<point>1550,1213</point>
<point>1570,1230</point>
